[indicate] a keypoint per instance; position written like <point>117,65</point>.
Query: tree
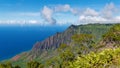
<point>113,35</point>
<point>17,66</point>
<point>34,64</point>
<point>108,58</point>
<point>83,42</point>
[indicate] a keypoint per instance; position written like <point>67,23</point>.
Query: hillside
<point>62,49</point>
<point>54,41</point>
<point>107,54</point>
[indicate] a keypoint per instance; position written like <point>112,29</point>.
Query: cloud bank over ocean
<point>63,14</point>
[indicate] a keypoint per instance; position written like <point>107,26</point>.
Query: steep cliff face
<point>65,37</point>
<point>54,41</point>
<point>51,43</point>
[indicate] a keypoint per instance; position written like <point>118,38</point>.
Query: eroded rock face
<point>51,42</point>
<point>56,40</point>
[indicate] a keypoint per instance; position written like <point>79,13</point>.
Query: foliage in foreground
<point>8,65</point>
<point>105,59</point>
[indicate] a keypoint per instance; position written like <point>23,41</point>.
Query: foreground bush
<point>105,59</point>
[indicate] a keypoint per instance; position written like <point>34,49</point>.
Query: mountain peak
<point>72,26</point>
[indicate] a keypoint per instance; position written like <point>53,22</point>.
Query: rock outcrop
<point>53,42</point>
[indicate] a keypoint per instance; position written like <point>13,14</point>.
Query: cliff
<point>53,42</point>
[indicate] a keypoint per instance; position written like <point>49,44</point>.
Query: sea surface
<point>16,39</point>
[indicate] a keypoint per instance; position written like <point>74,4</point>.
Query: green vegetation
<point>83,43</point>
<point>34,64</point>
<point>113,35</point>
<point>95,29</point>
<point>108,58</point>
<point>8,65</point>
<point>82,51</point>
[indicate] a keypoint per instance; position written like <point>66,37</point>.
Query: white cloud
<point>33,21</point>
<point>109,10</point>
<point>12,21</point>
<point>89,15</point>
<point>19,22</point>
<point>62,8</point>
<point>66,8</point>
<point>47,14</point>
<point>117,17</point>
<point>96,19</point>
<point>106,15</point>
<point>90,12</point>
<point>91,19</point>
<point>75,11</point>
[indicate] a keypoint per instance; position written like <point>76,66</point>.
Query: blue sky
<point>60,12</point>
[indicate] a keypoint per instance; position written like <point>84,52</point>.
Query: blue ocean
<point>16,39</point>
